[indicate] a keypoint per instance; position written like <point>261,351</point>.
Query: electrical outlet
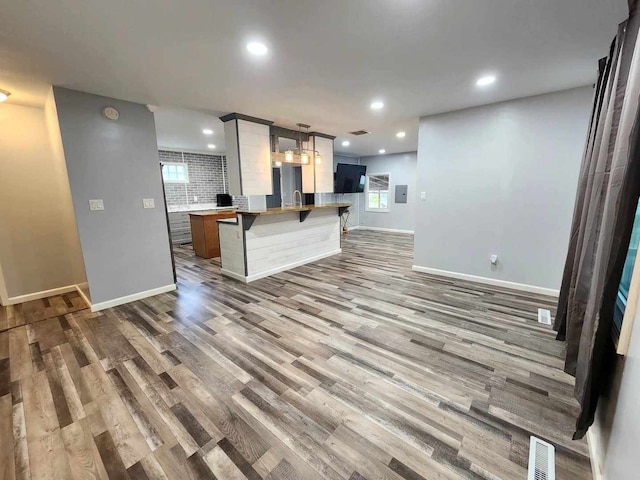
<point>96,204</point>
<point>148,203</point>
<point>494,259</point>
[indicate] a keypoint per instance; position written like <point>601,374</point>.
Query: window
<point>377,192</point>
<point>175,173</point>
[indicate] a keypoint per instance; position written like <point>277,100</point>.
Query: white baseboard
<point>234,275</point>
<point>273,271</point>
<point>132,298</point>
<point>355,227</point>
<point>380,229</point>
<point>595,451</point>
<point>488,281</point>
<point>38,295</point>
<point>81,292</point>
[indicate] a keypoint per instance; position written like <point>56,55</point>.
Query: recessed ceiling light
<point>484,81</point>
<point>211,145</point>
<point>377,105</point>
<point>346,143</point>
<point>401,134</point>
<point>257,48</point>
<point>4,95</point>
<point>207,131</point>
<point>382,150</point>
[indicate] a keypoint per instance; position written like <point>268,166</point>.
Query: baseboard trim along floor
<point>38,295</point>
<point>489,281</point>
<point>96,307</point>
<point>595,451</point>
<point>381,229</point>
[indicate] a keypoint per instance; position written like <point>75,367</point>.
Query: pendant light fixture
<point>299,155</point>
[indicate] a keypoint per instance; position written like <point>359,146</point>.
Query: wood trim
<point>323,135</point>
<point>276,131</point>
<point>630,311</point>
<point>240,116</point>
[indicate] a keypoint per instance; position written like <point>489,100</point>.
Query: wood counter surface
<point>303,208</point>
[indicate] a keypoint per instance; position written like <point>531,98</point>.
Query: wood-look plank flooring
<point>353,367</point>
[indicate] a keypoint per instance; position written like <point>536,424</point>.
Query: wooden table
<point>204,231</point>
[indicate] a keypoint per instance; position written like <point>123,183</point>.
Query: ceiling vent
<point>360,132</point>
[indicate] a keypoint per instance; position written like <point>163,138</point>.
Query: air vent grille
<point>544,316</point>
<point>360,132</point>
<point>541,460</point>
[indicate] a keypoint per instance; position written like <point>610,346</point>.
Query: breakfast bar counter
<point>260,243</point>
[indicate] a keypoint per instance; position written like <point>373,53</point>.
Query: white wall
<point>402,170</point>
<point>39,246</point>
<point>501,179</point>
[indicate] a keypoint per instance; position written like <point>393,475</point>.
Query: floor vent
<point>544,316</point>
<point>541,460</point>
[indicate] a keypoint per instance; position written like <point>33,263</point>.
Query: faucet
<point>293,197</point>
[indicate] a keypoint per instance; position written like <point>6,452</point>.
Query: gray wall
<point>125,247</point>
<point>402,167</point>
<point>501,179</point>
<point>615,435</point>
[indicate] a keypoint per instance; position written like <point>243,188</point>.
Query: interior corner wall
<point>501,179</point>
<point>402,170</point>
<point>39,251</point>
<point>125,246</point>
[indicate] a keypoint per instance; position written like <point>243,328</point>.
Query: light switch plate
<point>148,203</point>
<point>96,204</point>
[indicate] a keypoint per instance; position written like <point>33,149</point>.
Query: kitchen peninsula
<point>259,243</point>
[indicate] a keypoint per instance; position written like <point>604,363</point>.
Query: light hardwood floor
<point>353,367</point>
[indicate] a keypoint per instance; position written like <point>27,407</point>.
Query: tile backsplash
<point>207,178</point>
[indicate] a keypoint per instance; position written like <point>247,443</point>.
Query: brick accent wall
<point>207,178</point>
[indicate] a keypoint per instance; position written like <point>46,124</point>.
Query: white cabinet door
<point>255,158</point>
<point>324,170</point>
<point>248,157</point>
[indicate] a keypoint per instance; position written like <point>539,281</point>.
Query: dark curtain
<point>606,200</point>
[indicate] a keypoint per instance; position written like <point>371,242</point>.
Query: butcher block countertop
<point>303,208</point>
<point>208,213</point>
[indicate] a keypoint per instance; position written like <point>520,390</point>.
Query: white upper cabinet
<point>248,148</point>
<point>318,177</point>
<point>324,169</point>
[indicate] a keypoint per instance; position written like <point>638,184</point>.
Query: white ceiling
<point>327,59</point>
<point>181,128</point>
